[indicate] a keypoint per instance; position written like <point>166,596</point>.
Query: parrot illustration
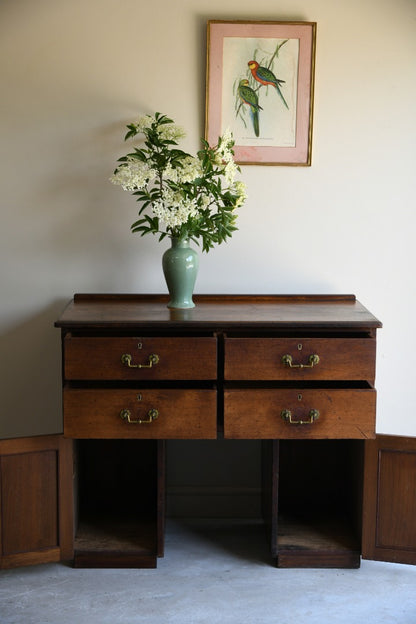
<point>248,96</point>
<point>264,76</point>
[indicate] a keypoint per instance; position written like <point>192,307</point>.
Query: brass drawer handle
<point>152,414</point>
<point>126,359</point>
<point>287,417</point>
<point>288,361</point>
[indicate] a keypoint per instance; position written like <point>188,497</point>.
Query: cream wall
<point>74,73</point>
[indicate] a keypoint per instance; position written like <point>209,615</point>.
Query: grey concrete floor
<point>218,573</point>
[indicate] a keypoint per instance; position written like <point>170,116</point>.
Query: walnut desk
<point>296,372</point>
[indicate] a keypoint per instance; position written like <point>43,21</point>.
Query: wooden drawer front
<point>255,413</point>
<point>177,358</point>
<point>262,358</point>
<point>182,414</point>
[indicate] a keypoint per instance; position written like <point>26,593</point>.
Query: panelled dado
<point>287,370</point>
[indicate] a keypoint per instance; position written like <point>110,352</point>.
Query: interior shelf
<point>315,516</point>
<point>118,519</point>
<point>103,540</point>
<point>320,541</point>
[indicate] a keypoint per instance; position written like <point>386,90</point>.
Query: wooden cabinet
<point>296,372</point>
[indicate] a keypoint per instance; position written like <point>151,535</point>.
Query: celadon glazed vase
<point>180,266</point>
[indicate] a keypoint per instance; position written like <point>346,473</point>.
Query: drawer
<point>267,358</point>
<point>149,414</point>
<point>266,413</point>
<point>88,358</point>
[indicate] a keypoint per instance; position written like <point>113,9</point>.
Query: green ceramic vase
<point>180,266</point>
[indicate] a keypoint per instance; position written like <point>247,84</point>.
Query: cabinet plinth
<point>294,371</point>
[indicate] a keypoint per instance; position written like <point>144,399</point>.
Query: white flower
<point>133,175</point>
<point>204,201</point>
<point>218,159</point>
<point>227,136</point>
<point>223,154</point>
<point>171,132</point>
<point>169,173</point>
<point>225,144</point>
<point>241,192</point>
<point>144,122</point>
<point>174,209</point>
<point>190,170</point>
<point>230,171</point>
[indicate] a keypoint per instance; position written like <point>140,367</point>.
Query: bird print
<point>265,76</point>
<point>248,96</point>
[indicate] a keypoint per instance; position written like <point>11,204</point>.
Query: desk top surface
<point>222,311</point>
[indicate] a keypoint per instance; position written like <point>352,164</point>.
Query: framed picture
<point>260,80</point>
